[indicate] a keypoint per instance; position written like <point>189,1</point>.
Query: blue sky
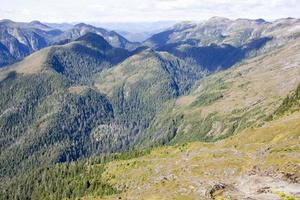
<point>145,10</point>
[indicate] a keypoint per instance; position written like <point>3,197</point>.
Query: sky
<point>144,10</point>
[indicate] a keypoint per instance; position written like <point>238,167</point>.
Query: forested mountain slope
<point>139,86</point>
<point>47,114</point>
<point>52,106</point>
<point>226,102</point>
<point>77,61</point>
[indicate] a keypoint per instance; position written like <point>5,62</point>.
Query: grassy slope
<point>188,171</point>
<point>230,101</point>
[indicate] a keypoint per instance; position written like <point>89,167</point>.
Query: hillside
<point>51,106</point>
<point>139,86</point>
<point>5,57</point>
<point>258,163</point>
<point>47,106</point>
<point>226,102</point>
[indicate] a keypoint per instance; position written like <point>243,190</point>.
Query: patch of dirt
<point>264,188</point>
<point>291,173</point>
<point>258,184</point>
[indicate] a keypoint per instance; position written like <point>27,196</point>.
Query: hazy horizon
<point>130,27</point>
<point>137,11</point>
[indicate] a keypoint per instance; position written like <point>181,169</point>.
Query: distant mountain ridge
<point>112,37</point>
<point>77,60</point>
<point>18,39</point>
<point>219,43</point>
<point>22,39</point>
<point>218,30</point>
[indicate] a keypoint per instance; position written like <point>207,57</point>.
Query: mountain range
<point>18,40</point>
<point>197,111</point>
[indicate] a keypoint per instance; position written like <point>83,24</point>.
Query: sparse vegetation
<point>290,104</point>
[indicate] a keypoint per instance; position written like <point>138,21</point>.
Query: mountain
<point>18,40</point>
<point>136,31</point>
<point>60,26</point>
<point>78,60</point>
<point>39,25</point>
<point>219,31</point>
<point>206,116</point>
<point>259,162</point>
<point>212,58</point>
<point>53,101</point>
<point>227,102</point>
<point>48,105</point>
<point>220,43</point>
<point>139,86</point>
<point>111,37</point>
<point>5,57</point>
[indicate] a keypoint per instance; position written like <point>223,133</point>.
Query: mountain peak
<point>6,21</point>
<point>216,18</point>
<point>95,40</point>
<point>184,25</point>
<point>38,23</point>
<point>35,22</point>
<point>260,21</point>
<point>81,25</point>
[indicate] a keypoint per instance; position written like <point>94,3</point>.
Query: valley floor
<point>258,163</point>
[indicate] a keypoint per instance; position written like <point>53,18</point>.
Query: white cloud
<point>145,10</point>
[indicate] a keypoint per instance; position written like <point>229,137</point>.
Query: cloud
<point>145,10</point>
